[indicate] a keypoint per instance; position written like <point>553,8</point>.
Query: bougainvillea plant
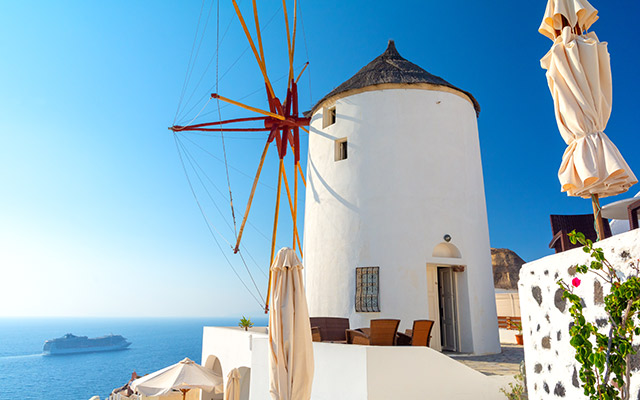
<point>605,357</point>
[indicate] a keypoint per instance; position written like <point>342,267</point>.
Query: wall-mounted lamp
<point>447,238</point>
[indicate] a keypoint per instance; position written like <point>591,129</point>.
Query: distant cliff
<point>506,268</point>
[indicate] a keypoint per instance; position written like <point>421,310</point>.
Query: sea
<point>26,374</point>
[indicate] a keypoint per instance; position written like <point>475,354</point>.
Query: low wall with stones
<point>552,371</point>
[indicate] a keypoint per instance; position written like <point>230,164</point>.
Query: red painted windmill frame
<point>282,121</point>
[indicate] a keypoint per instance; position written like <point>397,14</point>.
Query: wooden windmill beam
<point>220,129</point>
<point>304,181</point>
<point>286,21</point>
<point>253,191</point>
<point>293,38</point>
<point>295,205</point>
<point>296,130</point>
<point>261,63</point>
<point>275,229</point>
<point>247,107</point>
<point>303,68</point>
<point>177,128</point>
<point>258,33</point>
<point>302,175</point>
<point>295,229</point>
<point>296,144</point>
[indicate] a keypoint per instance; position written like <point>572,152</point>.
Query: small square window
<point>329,116</point>
<point>341,149</point>
<point>367,289</point>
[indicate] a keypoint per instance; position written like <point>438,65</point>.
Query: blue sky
<point>96,216</point>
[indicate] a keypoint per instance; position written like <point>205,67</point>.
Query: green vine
<point>604,358</point>
<point>518,389</point>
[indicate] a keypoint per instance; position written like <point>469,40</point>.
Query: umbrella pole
<point>595,202</point>
<point>184,393</point>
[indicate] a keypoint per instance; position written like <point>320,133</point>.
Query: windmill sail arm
<point>286,21</point>
<point>253,191</point>
<point>303,69</point>
<point>247,107</point>
<point>260,61</point>
<point>177,128</point>
<point>220,129</point>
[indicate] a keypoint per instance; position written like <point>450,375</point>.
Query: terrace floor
<point>505,363</point>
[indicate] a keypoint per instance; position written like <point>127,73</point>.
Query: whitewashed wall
<point>356,372</point>
<point>229,347</point>
<point>413,174</point>
<point>552,371</point>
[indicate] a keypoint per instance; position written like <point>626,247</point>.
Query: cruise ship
<point>71,344</point>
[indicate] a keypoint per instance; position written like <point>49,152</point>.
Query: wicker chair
<point>561,225</point>
<point>382,333</point>
<point>331,329</point>
<point>420,335</point>
<point>357,337</point>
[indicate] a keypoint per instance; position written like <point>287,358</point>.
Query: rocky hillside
<point>506,268</point>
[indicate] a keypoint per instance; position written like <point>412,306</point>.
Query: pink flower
<point>575,282</point>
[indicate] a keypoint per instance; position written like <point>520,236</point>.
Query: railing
<point>509,322</point>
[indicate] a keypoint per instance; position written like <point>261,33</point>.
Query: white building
<point>394,185</point>
<point>394,181</point>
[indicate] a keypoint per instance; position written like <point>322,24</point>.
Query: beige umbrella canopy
<point>290,346</point>
<point>183,376</point>
<point>232,391</point>
<point>579,78</point>
<point>560,13</point>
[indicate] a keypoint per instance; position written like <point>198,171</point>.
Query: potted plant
<point>517,326</point>
<point>245,323</point>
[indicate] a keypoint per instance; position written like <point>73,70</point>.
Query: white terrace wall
<point>353,372</point>
<point>552,371</point>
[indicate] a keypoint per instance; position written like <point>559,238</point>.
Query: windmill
<point>282,122</point>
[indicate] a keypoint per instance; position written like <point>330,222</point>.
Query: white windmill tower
<point>395,215</point>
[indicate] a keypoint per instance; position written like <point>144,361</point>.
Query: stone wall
<point>552,371</point>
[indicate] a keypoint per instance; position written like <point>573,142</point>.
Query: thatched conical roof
<point>391,67</point>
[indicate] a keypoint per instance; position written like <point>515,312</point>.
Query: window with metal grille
<point>367,289</point>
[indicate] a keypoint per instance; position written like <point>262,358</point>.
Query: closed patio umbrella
<point>232,392</point>
<point>183,376</point>
<point>579,78</point>
<point>576,13</point>
<point>290,346</point>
